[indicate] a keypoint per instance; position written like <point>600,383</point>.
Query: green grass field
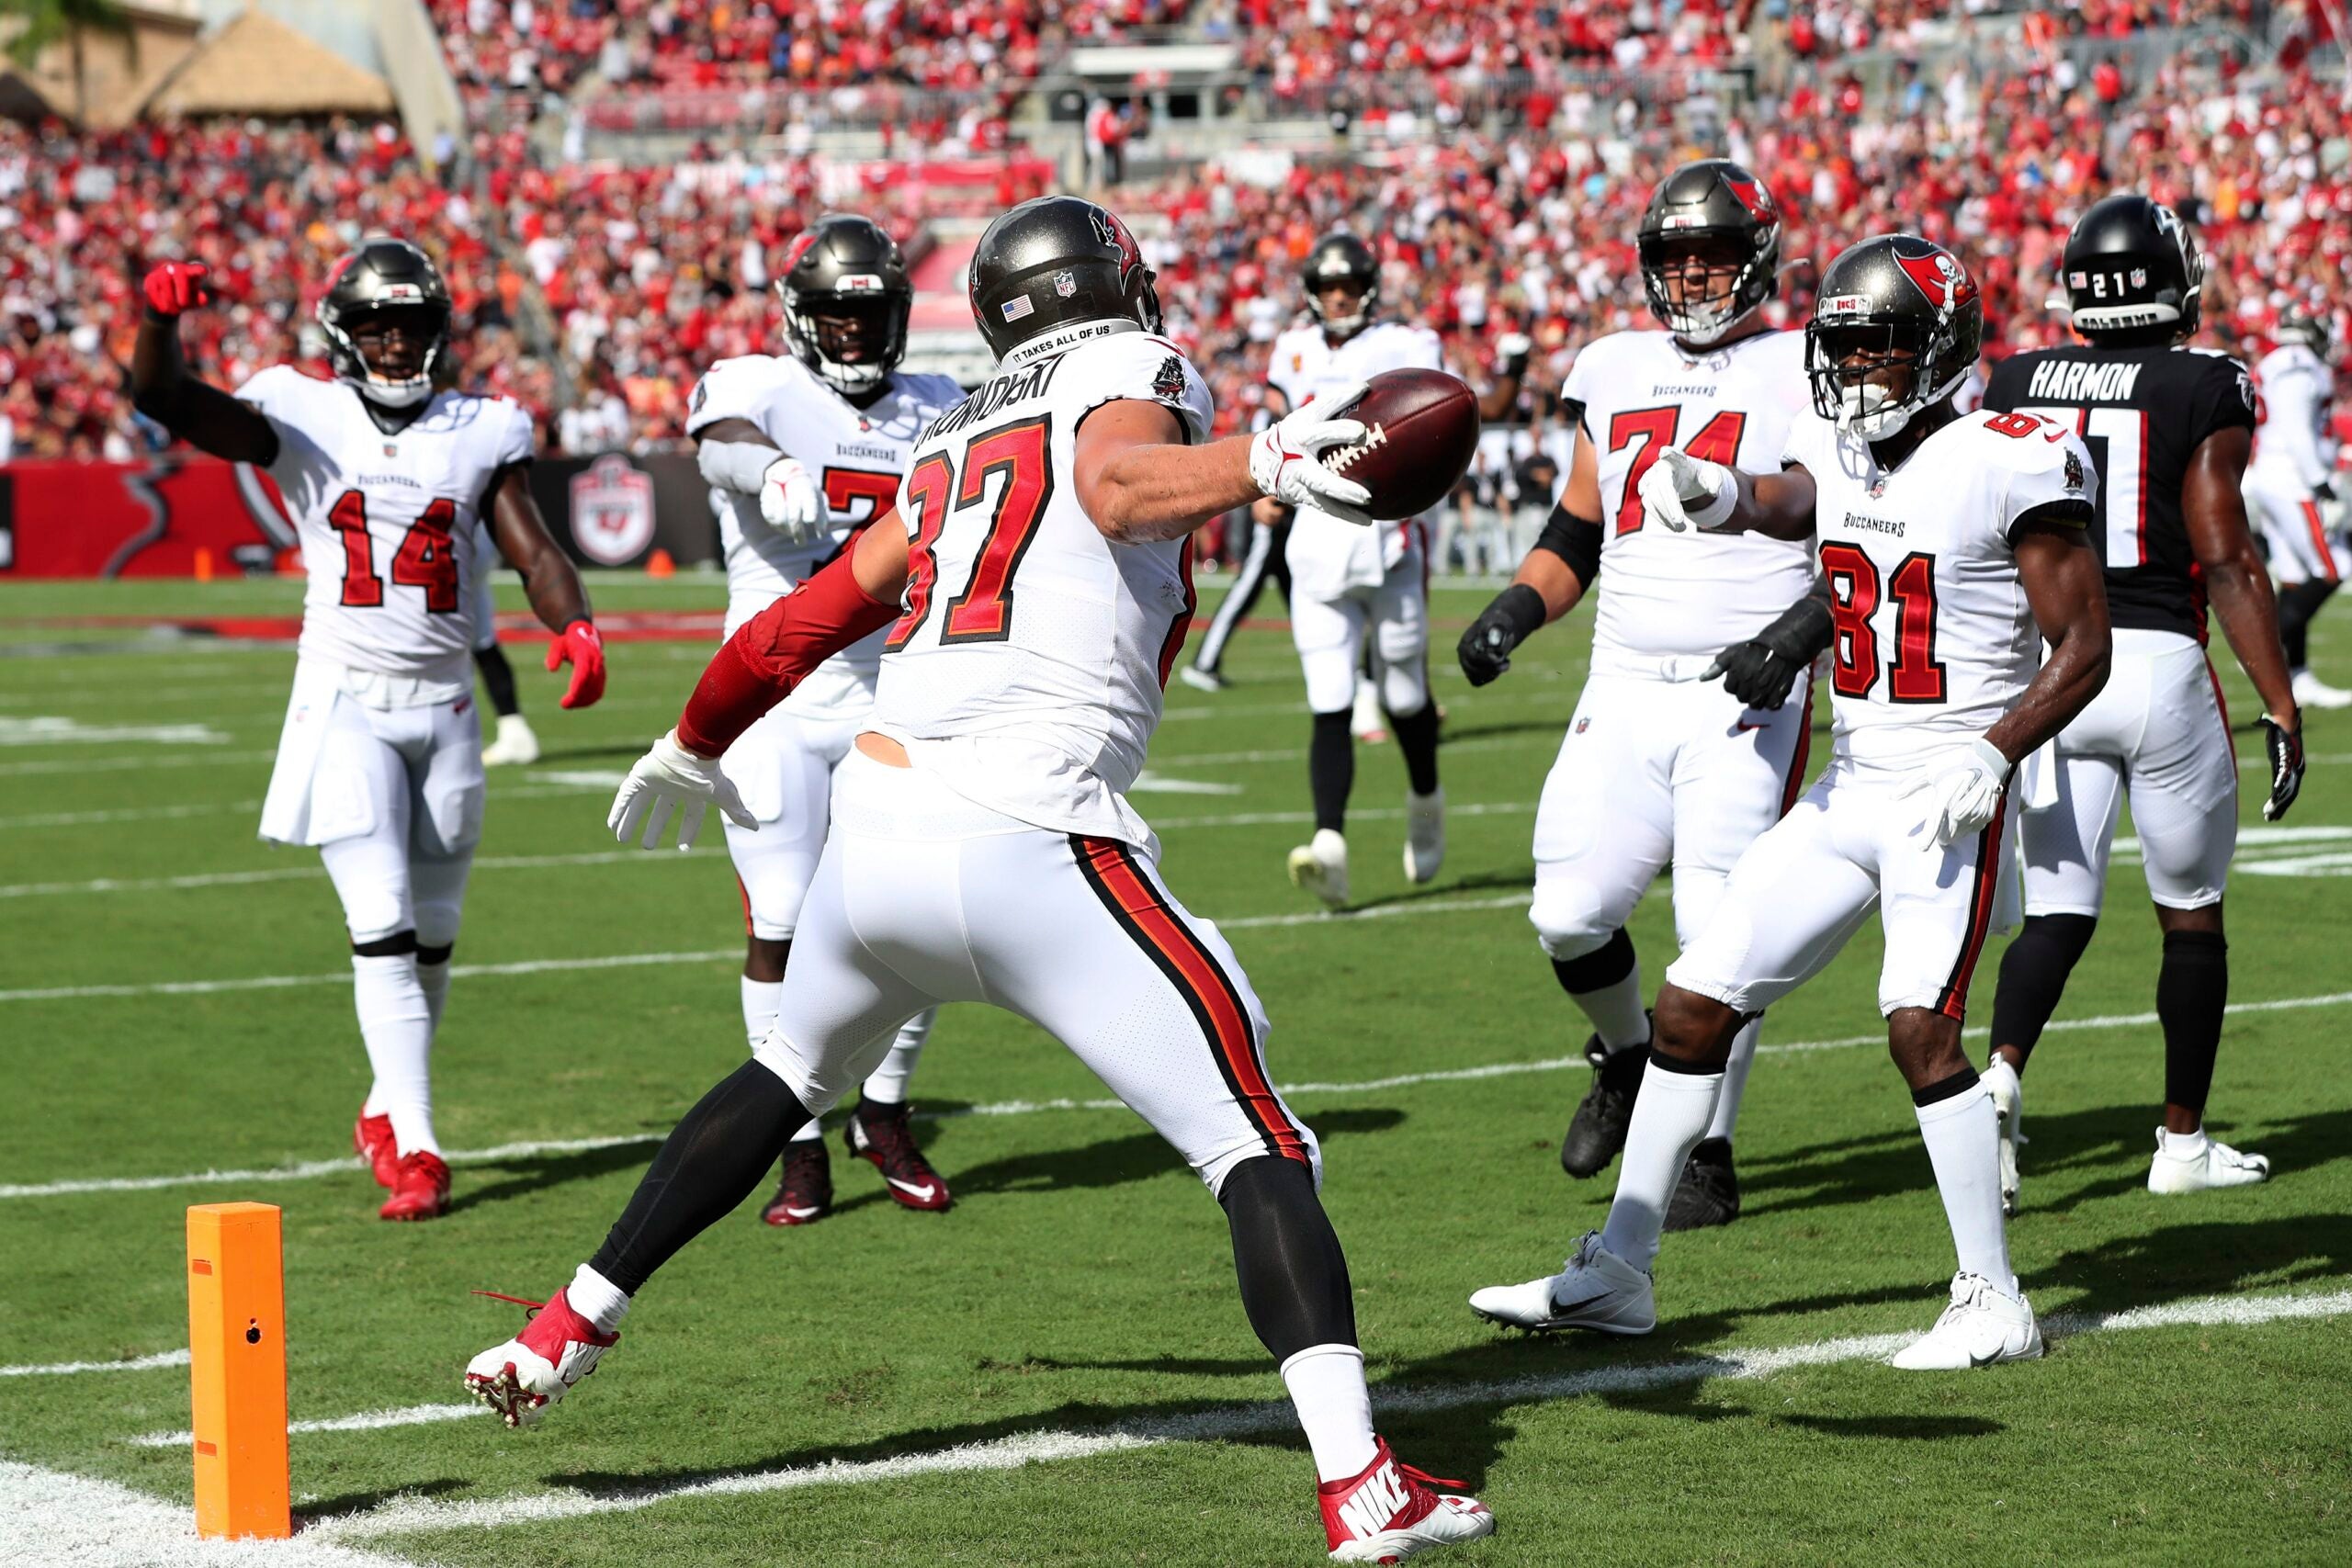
<point>1057,1372</point>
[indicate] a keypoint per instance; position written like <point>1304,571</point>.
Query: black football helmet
<point>846,300</point>
<point>1894,301</point>
<point>2305,325</point>
<point>386,278</point>
<point>1057,262</point>
<point>1340,257</point>
<point>1716,202</point>
<point>2131,264</point>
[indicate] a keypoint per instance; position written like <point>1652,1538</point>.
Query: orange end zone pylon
<point>236,1337</point>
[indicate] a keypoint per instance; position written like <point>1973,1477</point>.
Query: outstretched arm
<point>203,415</point>
<point>1683,492</point>
<point>1138,481</point>
<point>1549,582</point>
<point>557,596</point>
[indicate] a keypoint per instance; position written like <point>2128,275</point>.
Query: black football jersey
<point>2142,411</point>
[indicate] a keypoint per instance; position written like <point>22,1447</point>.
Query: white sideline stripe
<point>67,1369</point>
<point>366,1421</point>
<point>413,1513</point>
<point>55,1520</point>
<point>309,1170</point>
<point>136,764</point>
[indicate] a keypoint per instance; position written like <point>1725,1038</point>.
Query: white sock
<point>1743,1056</point>
<point>1326,1383</point>
<point>888,1083</point>
<point>434,979</point>
<point>761,1000</point>
<point>396,1022</point>
<point>1616,1012</point>
<point>1669,1118</point>
<point>596,1298</point>
<point>2183,1146</point>
<point>808,1132</point>
<point>1963,1135</point>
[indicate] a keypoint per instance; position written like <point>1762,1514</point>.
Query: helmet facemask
<point>402,378</point>
<point>1733,281</point>
<point>1341,324</point>
<point>1871,378</point>
<point>853,343</point>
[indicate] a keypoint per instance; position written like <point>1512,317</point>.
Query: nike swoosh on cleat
<point>1561,1309</point>
<point>800,1214</point>
<point>1976,1360</point>
<point>926,1192</point>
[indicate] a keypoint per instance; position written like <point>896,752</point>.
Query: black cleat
<point>1708,1193</point>
<point>1598,1130</point>
<point>805,1193</point>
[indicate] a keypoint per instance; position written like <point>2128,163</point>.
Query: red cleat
<point>880,1134</point>
<point>372,1137</point>
<point>521,1378</point>
<point>805,1193</point>
<point>420,1189</point>
<point>1391,1511</point>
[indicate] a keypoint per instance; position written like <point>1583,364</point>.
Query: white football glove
<point>1964,795</point>
<point>789,502</point>
<point>665,779</point>
<point>1682,490</point>
<point>1512,351</point>
<point>1286,458</point>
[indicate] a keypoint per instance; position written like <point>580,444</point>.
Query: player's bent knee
<point>1402,690</point>
<point>391,945</point>
<point>1217,1170</point>
<point>817,1089</point>
<point>1693,1029</point>
<point>1569,921</point>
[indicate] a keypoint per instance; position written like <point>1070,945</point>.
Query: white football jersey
<point>1328,557</point>
<point>1028,666</point>
<point>1664,595</point>
<point>2290,443</point>
<point>1935,640</point>
<point>858,457</point>
<point>386,522</point>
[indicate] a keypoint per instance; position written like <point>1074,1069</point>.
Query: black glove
<point>2286,748</point>
<point>1762,671</point>
<point>1516,615</point>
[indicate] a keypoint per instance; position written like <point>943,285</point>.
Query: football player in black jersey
<point>2169,427</point>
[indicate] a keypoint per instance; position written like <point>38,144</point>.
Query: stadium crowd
<point>646,275</point>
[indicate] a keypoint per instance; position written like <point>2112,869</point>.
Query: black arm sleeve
<point>1575,540</point>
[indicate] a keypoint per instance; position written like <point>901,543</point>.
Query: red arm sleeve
<point>776,650</point>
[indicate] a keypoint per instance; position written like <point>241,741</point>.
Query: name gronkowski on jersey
<point>2291,444</point>
<point>1327,556</point>
<point>1027,668</point>
<point>1935,640</point>
<point>387,522</point>
<point>1664,594</point>
<point>2141,413</point>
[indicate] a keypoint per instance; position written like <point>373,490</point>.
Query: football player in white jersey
<point>379,765</point>
<point>1955,545</point>
<point>1358,592</point>
<point>2291,488</point>
<point>801,450</point>
<point>1660,764</point>
<point>983,848</point>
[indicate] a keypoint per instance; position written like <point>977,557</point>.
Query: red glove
<point>174,287</point>
<point>579,646</point>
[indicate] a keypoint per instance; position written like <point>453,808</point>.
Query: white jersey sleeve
<point>2049,476</point>
<point>1027,669</point>
<point>2291,442</point>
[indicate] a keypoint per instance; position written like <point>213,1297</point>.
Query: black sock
<point>1416,735</point>
<point>710,1162</point>
<point>1293,1276</point>
<point>497,679</point>
<point>1332,769</point>
<point>2034,976</point>
<point>2298,603</point>
<point>2192,990</point>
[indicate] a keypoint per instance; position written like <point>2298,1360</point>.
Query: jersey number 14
<point>425,559</point>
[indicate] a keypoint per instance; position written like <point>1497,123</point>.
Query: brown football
<point>1420,431</point>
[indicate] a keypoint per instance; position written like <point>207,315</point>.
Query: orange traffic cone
<point>203,563</point>
<point>658,564</point>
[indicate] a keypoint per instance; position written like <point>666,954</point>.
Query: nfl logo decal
<point>1065,283</point>
<point>2139,277</point>
<point>1583,724</point>
<point>1878,487</point>
<point>392,450</point>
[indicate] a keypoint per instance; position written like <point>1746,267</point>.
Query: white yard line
<point>413,1513</point>
<point>310,1170</point>
<point>69,1369</point>
<point>48,1519</point>
<point>134,763</point>
<point>366,1421</point>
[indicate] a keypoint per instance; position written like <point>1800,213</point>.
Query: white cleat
<point>1595,1289</point>
<point>537,1368</point>
<point>1983,1326</point>
<point>515,744</point>
<point>1321,867</point>
<point>1369,725</point>
<point>2192,1162</point>
<point>2311,691</point>
<point>1200,680</point>
<point>1424,834</point>
<point>1390,1511</point>
<point>2009,1111</point>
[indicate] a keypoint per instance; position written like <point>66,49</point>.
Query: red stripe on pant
<point>1953,1003</point>
<point>2319,539</point>
<point>1224,1019</point>
<point>1795,788</point>
<point>746,892</point>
